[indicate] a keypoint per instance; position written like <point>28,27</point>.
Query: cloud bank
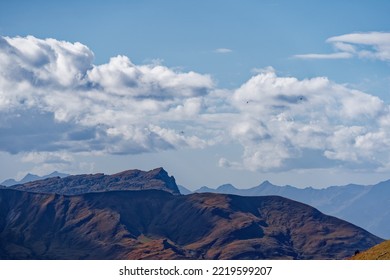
<point>372,45</point>
<point>53,97</point>
<point>54,103</point>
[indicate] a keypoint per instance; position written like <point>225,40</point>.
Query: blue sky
<point>296,92</point>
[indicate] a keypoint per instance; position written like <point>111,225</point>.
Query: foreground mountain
<point>155,224</point>
<point>32,177</point>
<point>378,252</point>
<point>365,206</point>
<point>157,179</point>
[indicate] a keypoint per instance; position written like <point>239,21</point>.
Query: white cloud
<point>223,50</point>
<point>373,45</point>
<point>281,118</point>
<point>347,48</point>
<point>267,69</point>
<point>55,98</point>
<point>338,55</point>
<point>223,162</point>
<point>120,76</point>
<point>43,163</point>
<point>47,157</point>
<point>45,62</point>
<point>54,102</point>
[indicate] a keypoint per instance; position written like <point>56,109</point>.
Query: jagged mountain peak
<point>267,183</point>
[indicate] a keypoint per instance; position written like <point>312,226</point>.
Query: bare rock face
<point>155,224</point>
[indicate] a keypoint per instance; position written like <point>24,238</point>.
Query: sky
<point>294,92</point>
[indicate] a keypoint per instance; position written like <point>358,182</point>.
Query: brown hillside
<point>378,252</point>
<point>158,225</point>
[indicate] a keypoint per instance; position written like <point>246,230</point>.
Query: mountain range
<point>32,177</point>
<point>365,206</point>
<point>141,215</point>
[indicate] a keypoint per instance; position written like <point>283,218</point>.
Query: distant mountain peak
<point>363,205</point>
<point>266,183</point>
<point>29,177</point>
<point>227,188</point>
<point>183,190</point>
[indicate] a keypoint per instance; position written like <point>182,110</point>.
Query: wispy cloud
<point>338,55</point>
<point>373,45</point>
<point>223,50</point>
<point>54,102</point>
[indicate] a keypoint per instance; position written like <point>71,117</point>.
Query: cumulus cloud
<point>54,103</point>
<point>373,45</point>
<point>282,118</point>
<point>53,97</point>
<point>121,76</point>
<point>44,63</point>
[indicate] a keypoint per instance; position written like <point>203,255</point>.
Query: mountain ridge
<point>363,205</point>
<point>133,179</point>
<point>155,224</point>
